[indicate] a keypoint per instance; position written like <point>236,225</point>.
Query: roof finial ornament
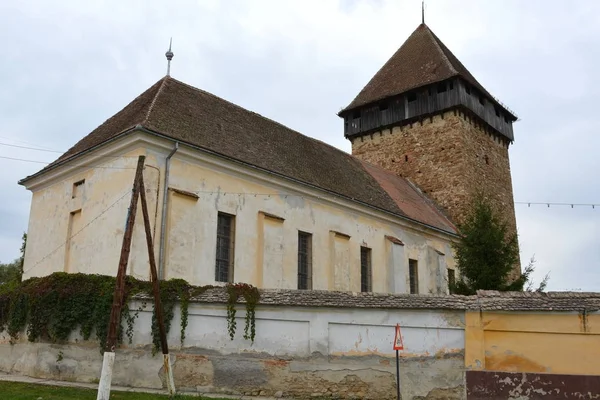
<point>423,12</point>
<point>169,54</point>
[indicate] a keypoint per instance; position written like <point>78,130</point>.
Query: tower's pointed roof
<point>421,60</point>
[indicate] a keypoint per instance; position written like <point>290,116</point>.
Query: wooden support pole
<point>119,294</point>
<point>156,289</point>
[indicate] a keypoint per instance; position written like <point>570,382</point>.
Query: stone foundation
<point>205,371</point>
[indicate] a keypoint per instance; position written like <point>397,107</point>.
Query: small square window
<point>441,87</point>
<point>411,97</point>
<point>77,189</point>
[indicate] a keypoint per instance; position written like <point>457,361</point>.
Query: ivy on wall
<point>53,307</point>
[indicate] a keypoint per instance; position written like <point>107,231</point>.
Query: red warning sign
<point>398,345</point>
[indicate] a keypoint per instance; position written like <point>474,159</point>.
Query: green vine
<point>251,297</point>
<point>53,307</point>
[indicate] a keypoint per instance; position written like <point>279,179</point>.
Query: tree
<point>22,258</point>
<point>12,273</point>
<point>487,253</point>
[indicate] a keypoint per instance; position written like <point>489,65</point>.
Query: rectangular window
<point>441,87</point>
<point>304,260</point>
<point>225,245</point>
<point>77,189</point>
<point>365,269</point>
<point>411,97</point>
<point>413,273</point>
<point>451,278</point>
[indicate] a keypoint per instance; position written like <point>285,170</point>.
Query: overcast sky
<point>69,65</point>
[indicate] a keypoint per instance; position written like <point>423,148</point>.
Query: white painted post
<point>169,374</point>
<point>106,376</point>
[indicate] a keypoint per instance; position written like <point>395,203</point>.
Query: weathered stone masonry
<point>449,156</point>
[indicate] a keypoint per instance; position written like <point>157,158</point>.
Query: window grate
<point>365,269</point>
<point>413,271</point>
<point>224,258</point>
<point>304,260</point>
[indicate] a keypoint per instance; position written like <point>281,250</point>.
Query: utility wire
<point>548,204</point>
<point>76,166</point>
<point>57,151</point>
<point>24,142</point>
<point>30,148</point>
<point>20,159</point>
<point>79,231</point>
<point>529,203</point>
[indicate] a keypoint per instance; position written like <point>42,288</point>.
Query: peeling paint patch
<point>490,385</point>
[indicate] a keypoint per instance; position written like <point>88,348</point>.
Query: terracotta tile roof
<point>421,60</point>
<point>200,119</point>
<point>409,198</point>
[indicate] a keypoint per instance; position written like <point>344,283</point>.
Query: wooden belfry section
<point>421,79</point>
<point>139,192</point>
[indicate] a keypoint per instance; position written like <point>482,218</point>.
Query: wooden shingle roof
<point>205,121</point>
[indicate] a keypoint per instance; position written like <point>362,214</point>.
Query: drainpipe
<point>163,218</point>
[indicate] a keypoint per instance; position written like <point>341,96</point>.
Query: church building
<point>237,197</point>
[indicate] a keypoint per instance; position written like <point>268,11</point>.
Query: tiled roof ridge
<point>389,60</point>
<point>483,301</point>
<point>467,75</point>
<point>66,156</point>
<point>437,44</point>
<point>555,294</point>
<point>153,102</point>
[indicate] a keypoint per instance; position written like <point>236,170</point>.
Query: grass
<point>30,391</point>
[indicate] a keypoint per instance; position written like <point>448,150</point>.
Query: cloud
<point>71,64</point>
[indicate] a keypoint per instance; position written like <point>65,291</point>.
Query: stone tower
<point>425,117</point>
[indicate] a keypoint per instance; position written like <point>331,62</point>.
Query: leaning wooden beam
<point>156,289</point>
<point>115,312</point>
